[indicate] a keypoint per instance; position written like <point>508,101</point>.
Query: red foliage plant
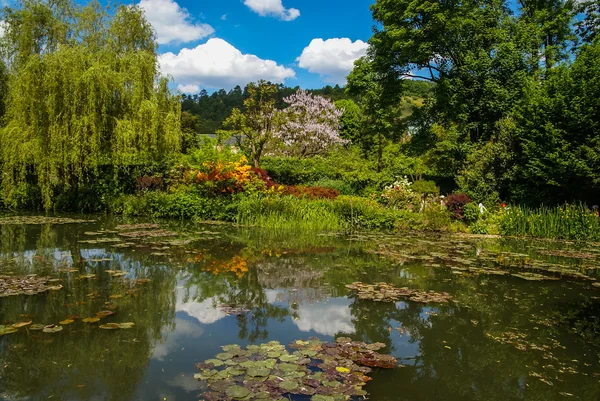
<point>456,204</point>
<point>301,191</point>
<point>149,183</point>
<point>264,177</point>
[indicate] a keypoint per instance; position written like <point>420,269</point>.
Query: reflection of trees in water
<point>82,361</point>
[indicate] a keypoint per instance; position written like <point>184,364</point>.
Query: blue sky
<point>223,43</point>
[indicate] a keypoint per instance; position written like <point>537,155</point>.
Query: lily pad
<point>52,328</point>
<point>258,372</point>
<point>91,320</point>
<point>36,327</point>
<point>21,324</point>
<point>66,321</point>
<point>215,362</point>
<point>110,326</point>
<point>289,385</point>
<point>237,392</point>
<point>127,325</point>
<point>7,330</point>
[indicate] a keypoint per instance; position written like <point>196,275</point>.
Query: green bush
<point>424,187</point>
<point>436,218</point>
<point>479,227</point>
<point>471,212</point>
<point>181,205</point>
<point>341,186</point>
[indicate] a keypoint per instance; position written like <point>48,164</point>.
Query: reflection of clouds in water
<point>187,383</point>
<point>205,311</point>
<point>172,339</point>
<point>326,318</point>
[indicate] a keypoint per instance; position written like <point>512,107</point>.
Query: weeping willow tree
<point>83,91</point>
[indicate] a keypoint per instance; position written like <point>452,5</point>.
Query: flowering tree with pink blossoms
<point>311,125</point>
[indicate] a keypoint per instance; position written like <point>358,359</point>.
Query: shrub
<point>302,191</point>
<point>436,217</point>
<point>149,183</point>
<point>264,177</point>
<point>400,195</point>
<point>456,204</point>
<point>424,187</point>
<point>471,212</point>
<point>479,227</point>
<point>339,185</point>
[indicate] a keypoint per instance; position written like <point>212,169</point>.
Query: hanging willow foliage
<point>83,91</point>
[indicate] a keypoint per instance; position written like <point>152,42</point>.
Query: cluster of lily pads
<point>39,220</point>
<point>55,328</point>
<point>384,292</point>
<point>320,370</point>
<point>520,341</point>
<point>25,285</point>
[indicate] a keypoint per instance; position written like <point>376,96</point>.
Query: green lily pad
<point>221,386</point>
<point>288,367</point>
<point>224,356</point>
<point>127,325</point>
<point>231,347</point>
<point>289,358</point>
<point>216,362</point>
<point>288,385</point>
<point>36,327</point>
<point>237,392</point>
<point>7,330</point>
<point>258,372</point>
<point>52,328</point>
<point>319,397</point>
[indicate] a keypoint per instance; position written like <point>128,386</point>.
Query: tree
<point>190,125</point>
<point>311,125</point>
<point>378,99</point>
<point>84,92</point>
<point>254,128</point>
<point>588,27</point>
<point>351,120</point>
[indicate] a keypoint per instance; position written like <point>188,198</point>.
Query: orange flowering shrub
<point>236,265</point>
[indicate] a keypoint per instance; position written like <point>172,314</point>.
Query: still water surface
<point>505,337</point>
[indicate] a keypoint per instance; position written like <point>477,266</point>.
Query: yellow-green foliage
<point>84,91</point>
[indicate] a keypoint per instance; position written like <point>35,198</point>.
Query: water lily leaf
<point>235,372</point>
<point>116,296</point>
<point>237,392</point>
<point>341,369</point>
<point>109,326</point>
<point>289,358</point>
<point>215,362</point>
<point>258,372</point>
<point>287,367</point>
<point>52,328</point>
<point>224,356</point>
<point>36,327</point>
<point>221,385</point>
<point>66,321</point>
<point>7,330</point>
<point>127,325</point>
<point>91,320</point>
<point>288,385</point>
<point>104,313</point>
<point>21,324</point>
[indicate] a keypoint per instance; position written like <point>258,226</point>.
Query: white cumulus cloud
<point>217,64</point>
<point>327,319</point>
<point>332,59</point>
<point>173,24</point>
<point>273,8</point>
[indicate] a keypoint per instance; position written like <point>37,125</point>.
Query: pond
<point>126,312</point>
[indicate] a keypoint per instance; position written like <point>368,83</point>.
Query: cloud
<point>333,59</point>
<point>273,8</point>
<point>326,319</point>
<point>224,17</point>
<point>188,88</point>
<point>217,64</point>
<point>172,23</point>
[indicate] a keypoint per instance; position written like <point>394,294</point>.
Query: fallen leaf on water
<point>21,324</point>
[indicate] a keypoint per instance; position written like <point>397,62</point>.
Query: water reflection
<point>504,338</point>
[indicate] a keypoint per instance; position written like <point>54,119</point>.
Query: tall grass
<point>572,222</point>
<point>288,212</point>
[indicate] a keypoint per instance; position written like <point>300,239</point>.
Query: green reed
<point>572,222</point>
